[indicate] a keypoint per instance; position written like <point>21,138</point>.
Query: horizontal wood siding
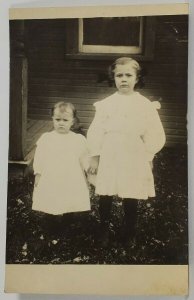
<point>53,77</point>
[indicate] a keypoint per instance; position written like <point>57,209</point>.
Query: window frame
<point>72,43</point>
<point>104,49</point>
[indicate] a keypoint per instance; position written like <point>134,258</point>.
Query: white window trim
<point>110,49</point>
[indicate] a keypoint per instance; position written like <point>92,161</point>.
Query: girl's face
<point>62,121</point>
<point>125,78</point>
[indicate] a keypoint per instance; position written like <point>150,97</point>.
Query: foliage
<point>161,235</point>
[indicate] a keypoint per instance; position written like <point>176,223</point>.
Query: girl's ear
<point>137,79</point>
<point>73,123</point>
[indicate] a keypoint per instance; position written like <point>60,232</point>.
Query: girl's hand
<point>37,178</point>
<point>93,165</point>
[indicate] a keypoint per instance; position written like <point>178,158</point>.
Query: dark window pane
<point>122,31</point>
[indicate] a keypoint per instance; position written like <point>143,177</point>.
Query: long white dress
<point>62,188</point>
<point>126,133</point>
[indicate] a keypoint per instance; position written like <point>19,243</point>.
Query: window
<point>111,35</point>
<point>104,38</point>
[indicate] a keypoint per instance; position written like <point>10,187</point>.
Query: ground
<point>161,236</point>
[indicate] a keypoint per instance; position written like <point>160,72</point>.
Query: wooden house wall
<point>53,77</point>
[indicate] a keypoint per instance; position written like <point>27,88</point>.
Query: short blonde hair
<point>64,107</point>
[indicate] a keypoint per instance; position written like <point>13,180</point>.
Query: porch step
<point>18,169</point>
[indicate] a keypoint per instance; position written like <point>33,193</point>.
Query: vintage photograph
<point>98,141</point>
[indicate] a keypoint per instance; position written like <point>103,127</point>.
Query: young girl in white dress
<point>60,159</point>
<point>123,138</point>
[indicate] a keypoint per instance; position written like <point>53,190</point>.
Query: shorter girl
<point>59,163</point>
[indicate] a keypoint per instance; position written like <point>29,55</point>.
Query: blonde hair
<point>128,60</point>
<point>68,108</point>
<point>64,107</point>
<point>124,61</point>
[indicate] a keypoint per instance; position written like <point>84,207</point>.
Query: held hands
<point>93,165</point>
<point>94,162</point>
<point>37,178</point>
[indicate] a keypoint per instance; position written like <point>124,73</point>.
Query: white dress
<point>126,132</point>
<point>62,188</point>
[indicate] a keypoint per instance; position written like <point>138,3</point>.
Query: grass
<point>161,236</point>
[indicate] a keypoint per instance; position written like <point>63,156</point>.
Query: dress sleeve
<point>154,136</point>
<point>84,153</point>
<point>96,131</point>
<point>39,155</point>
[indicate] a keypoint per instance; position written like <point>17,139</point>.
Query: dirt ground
<point>161,236</point>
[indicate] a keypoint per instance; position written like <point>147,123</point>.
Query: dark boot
<point>105,205</point>
<point>130,219</point>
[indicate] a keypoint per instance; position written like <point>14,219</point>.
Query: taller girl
<point>123,138</point>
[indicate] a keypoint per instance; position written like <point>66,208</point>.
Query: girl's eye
<point>128,75</point>
<point>119,75</point>
<point>57,120</point>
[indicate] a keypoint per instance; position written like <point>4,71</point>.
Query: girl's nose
<point>124,79</point>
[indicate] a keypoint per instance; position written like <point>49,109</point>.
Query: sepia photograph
<point>97,169</point>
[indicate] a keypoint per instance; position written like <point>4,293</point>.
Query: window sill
<point>111,57</point>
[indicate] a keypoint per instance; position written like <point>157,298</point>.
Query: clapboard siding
<point>53,77</point>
